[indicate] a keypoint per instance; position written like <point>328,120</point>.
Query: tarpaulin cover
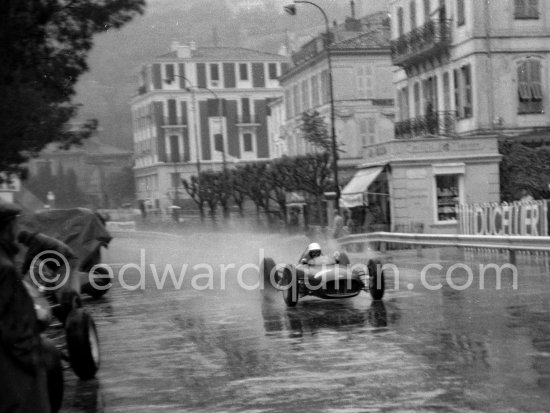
<point>79,228</point>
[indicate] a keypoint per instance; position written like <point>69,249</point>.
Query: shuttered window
<point>526,9</point>
<point>365,82</point>
<point>413,14</point>
<point>243,71</point>
<point>400,22</point>
<point>273,71</point>
<point>315,91</point>
<point>460,13</point>
<point>426,11</point>
<point>463,92</point>
<point>530,92</point>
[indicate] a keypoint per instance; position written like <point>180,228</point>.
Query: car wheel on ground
<point>267,267</point>
<point>82,343</point>
<point>376,279</point>
<point>290,287</point>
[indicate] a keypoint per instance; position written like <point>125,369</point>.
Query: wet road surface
<point>226,348</point>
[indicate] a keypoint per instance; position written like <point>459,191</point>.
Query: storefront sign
<point>519,218</point>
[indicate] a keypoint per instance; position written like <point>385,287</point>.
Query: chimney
<point>182,51</point>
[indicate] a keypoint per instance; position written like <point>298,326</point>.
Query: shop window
<point>460,13</point>
<point>447,196</point>
<point>526,9</point>
<point>529,87</point>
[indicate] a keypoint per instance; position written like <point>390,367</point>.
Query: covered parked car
<point>84,231</point>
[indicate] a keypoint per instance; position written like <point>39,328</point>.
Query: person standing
<point>337,225</point>
<point>23,382</point>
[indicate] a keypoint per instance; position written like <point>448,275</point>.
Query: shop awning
<point>352,194</point>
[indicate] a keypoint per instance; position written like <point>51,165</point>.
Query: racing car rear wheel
<point>267,268</point>
<point>290,287</point>
<point>82,343</point>
<point>376,279</point>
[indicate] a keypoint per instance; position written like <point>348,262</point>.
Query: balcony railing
<point>435,123</point>
<point>174,122</point>
<point>425,41</point>
<point>248,119</point>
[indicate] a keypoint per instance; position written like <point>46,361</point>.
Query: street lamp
<point>291,9</point>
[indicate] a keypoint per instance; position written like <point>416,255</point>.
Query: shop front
<point>418,185</point>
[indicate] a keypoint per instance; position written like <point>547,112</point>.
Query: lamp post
<point>291,9</point>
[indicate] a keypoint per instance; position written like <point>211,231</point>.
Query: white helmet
<point>314,250</point>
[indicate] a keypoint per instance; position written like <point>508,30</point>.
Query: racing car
<point>322,276</point>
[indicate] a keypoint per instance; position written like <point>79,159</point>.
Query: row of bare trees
<point>266,184</point>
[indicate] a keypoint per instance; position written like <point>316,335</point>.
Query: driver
<point>313,251</point>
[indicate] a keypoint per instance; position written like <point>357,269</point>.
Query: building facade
<point>200,108</point>
<point>92,164</point>
<point>471,67</point>
<point>362,85</point>
<point>468,74</point>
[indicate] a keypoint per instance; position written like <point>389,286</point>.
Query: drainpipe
<point>489,66</point>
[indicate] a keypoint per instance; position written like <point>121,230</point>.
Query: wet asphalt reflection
<point>230,349</point>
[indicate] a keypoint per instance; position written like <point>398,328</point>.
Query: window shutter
<point>157,78</point>
<point>229,75</point>
<point>181,68</point>
<point>201,75</point>
<point>523,82</point>
<point>532,8</point>
<point>536,85</point>
<point>458,103</point>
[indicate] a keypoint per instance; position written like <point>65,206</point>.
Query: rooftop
<point>222,53</point>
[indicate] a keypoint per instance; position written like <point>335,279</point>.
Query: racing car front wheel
<point>82,343</point>
<point>289,286</point>
<point>267,267</point>
<point>376,279</point>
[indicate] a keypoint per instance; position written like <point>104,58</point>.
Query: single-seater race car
<point>322,276</point>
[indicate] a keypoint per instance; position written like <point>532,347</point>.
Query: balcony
<point>248,120</point>
<point>174,122</point>
<point>430,40</point>
<point>435,123</point>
